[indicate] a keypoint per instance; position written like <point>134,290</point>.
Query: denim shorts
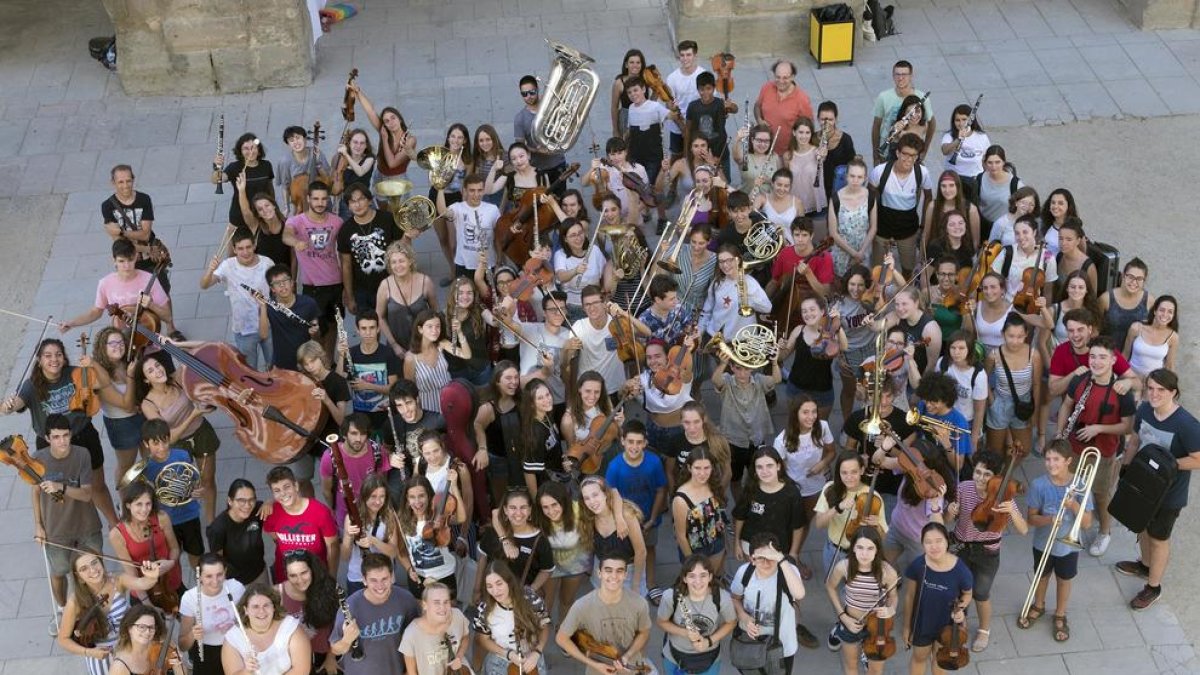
<point>125,433</point>
<point>842,633</point>
<point>824,399</point>
<point>983,566</point>
<point>1001,414</point>
<point>666,441</point>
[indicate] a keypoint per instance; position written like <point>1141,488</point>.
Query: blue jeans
<point>249,346</point>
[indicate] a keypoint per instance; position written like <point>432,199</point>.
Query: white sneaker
<point>1100,546</point>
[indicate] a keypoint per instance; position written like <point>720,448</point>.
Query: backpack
<point>750,570</point>
<point>1142,487</point>
<point>944,365</point>
<point>887,173</point>
<point>975,185</point>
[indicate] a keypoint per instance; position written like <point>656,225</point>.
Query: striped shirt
<point>964,527</point>
<point>1022,378</point>
<point>862,591</point>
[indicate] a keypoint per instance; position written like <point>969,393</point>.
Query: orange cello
<point>14,451</point>
<point>84,399</point>
<point>602,433</point>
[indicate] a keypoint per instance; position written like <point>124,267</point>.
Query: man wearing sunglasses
<point>552,164</point>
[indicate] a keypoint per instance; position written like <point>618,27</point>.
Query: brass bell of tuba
<point>415,214</point>
<point>440,163</point>
<point>570,93</point>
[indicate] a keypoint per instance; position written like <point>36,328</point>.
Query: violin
<point>999,490</point>
<point>451,653</point>
<point>722,68</point>
<point>879,645</point>
<point>535,273</point>
<point>92,626</point>
<point>514,238</point>
<point>680,361</point>
<point>164,652</point>
<point>437,528</point>
<point>893,358</point>
<point>1033,280</point>
<point>599,180</point>
<point>14,451</point>
<point>881,276</point>
<point>628,347</point>
<point>349,98</point>
<point>143,316</point>
<point>971,280</point>
<point>603,652</point>
<point>954,299</point>
<point>161,595</point>
<point>927,482</point>
<point>515,668</point>
<point>952,653</point>
<point>602,433</point>
<point>217,373</point>
<point>634,182</point>
<point>656,84</point>
<point>84,399</point>
<point>865,505</point>
<point>827,346</point>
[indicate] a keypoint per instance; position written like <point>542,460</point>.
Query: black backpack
<point>1143,485</point>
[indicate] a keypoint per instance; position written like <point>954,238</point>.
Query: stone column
<point>751,27</point>
<point>206,47</point>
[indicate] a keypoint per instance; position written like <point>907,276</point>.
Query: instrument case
<point>1108,265</point>
<point>1142,487</point>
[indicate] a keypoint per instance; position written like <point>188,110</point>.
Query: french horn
<point>414,214</point>
<point>752,347</point>
<point>440,163</point>
<point>629,256</point>
<point>173,486</point>
<point>763,242</point>
<point>570,93</point>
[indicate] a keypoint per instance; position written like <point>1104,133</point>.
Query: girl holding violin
<point>55,386</point>
<point>922,497</point>
<point>140,641</point>
<point>587,404</point>
<point>935,603</point>
<point>853,218</point>
<point>122,418</point>
<point>917,325</point>
<point>1026,255</point>
<point>745,417</point>
<point>205,615</point>
<point>309,595</point>
<point>866,607</point>
<point>664,429</point>
<point>844,508</point>
<point>144,534</point>
<point>981,549</point>
<point>759,165</point>
<point>803,158</point>
<point>812,371</point>
<point>698,511</point>
<point>161,396</point>
<point>695,615</point>
<point>1015,370</point>
<point>558,515</point>
<point>950,196</point>
<point>272,642</point>
<point>425,558</point>
<point>381,525</point>
<point>860,339</point>
<point>438,465</point>
<point>511,623</point>
<point>807,448</point>
<point>505,344</point>
<point>962,363</point>
<point>577,264</point>
<point>425,363</point>
<point>97,604</point>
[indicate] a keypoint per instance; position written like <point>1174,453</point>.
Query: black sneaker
<point>1133,568</point>
<point>805,637</point>
<point>832,641</point>
<point>655,595</point>
<point>1146,597</point>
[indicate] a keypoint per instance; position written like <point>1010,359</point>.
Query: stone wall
<point>751,27</point>
<point>1160,14</point>
<point>205,47</point>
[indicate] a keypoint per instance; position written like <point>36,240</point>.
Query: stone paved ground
<point>64,121</point>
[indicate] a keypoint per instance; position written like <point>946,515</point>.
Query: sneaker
<point>805,637</point>
<point>1100,546</point>
<point>1133,568</point>
<point>1145,598</point>
<point>832,641</point>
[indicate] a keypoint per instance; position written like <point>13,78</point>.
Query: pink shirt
<point>782,114</point>
<point>306,532</point>
<point>113,291</point>
<point>319,263</point>
<point>357,468</point>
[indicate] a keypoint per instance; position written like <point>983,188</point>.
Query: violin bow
<point>19,315</point>
<point>102,556</point>
<point>36,348</point>
<point>917,273</point>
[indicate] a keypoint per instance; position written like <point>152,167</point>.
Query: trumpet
<point>744,307</point>
<point>1081,487</point>
<point>932,425</point>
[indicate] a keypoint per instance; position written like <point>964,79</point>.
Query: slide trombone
<point>1080,486</point>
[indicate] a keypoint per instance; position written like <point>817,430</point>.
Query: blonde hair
<point>400,246</point>
<point>312,350</point>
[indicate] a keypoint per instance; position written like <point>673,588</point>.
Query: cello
<point>999,490</point>
<point>514,238</point>
<point>215,372</point>
<point>782,313</point>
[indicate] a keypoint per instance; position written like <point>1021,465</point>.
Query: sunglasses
<point>526,93</point>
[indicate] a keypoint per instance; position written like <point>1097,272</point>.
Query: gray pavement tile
<point>187,214</point>
<point>1065,66</point>
<point>976,71</point>
<point>166,195</point>
<point>193,257</point>
<point>1179,35</point>
<point>1136,98</point>
<point>1042,105</point>
<point>40,171</point>
<point>76,172</point>
<point>1188,54</point>
<point>1116,626</point>
<point>1036,665</point>
<point>1108,661</point>
<point>1038,639</point>
<point>1024,19</point>
<point>1181,94</point>
<point>1159,626</point>
<point>951,23</point>
<point>160,165</point>
<point>1089,100</point>
<point>26,637</point>
<point>149,129</point>
<point>12,136</point>
<point>1153,59</point>
<point>951,49</point>
<point>1109,62</point>
<point>1175,659</point>
<point>102,133</point>
<point>913,23</point>
<point>88,83</point>
<point>1063,18</point>
<point>1021,68</point>
<point>1093,39</point>
<point>987,20</point>
<point>41,136</point>
<point>10,593</point>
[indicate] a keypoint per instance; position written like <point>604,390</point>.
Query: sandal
<point>1062,630</point>
<point>982,637</point>
<point>1035,612</point>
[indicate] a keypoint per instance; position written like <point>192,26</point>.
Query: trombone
<point>1080,486</point>
<point>932,425</point>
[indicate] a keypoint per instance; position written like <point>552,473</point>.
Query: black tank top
<point>913,333</point>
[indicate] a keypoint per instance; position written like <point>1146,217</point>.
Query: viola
<point>656,84</point>
<point>15,453</point>
<point>865,505</point>
<point>515,239</point>
<point>827,346</point>
<point>535,273</point>
<point>634,182</point>
<point>217,373</point>
<point>92,626</point>
<point>1032,282</point>
<point>952,653</point>
<point>602,433</point>
<point>603,651</point>
<point>628,347</point>
<point>999,490</point>
<point>722,68</point>
<point>973,279</point>
<point>927,482</point>
<point>451,652</point>
<point>954,299</point>
<point>515,669</point>
<point>893,358</point>
<point>437,528</point>
<point>349,98</point>
<point>84,399</point>
<point>880,645</point>
<point>680,361</point>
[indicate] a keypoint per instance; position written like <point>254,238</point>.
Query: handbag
<point>1022,409</point>
<point>694,663</point>
<point>747,653</point>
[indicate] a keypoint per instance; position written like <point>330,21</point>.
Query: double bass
<point>215,372</point>
<point>513,233</point>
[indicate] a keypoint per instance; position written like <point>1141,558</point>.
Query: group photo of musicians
<point>803,364</point>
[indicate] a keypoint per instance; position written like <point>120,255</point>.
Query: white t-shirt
<point>474,228</point>
<point>244,315</point>
<point>901,194</point>
<point>758,596</point>
<point>1020,263</point>
<point>970,154</point>
<point>646,115</point>
<point>805,457</point>
<point>684,89</point>
<point>599,353</point>
<point>216,613</point>
<point>595,270</point>
<point>972,385</point>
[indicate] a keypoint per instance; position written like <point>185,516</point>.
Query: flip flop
<point>1035,613</point>
<point>1061,628</point>
<point>982,637</point>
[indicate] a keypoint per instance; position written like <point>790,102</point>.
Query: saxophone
<point>1069,427</point>
<point>744,307</point>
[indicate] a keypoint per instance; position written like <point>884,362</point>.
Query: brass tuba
<point>440,163</point>
<point>753,346</point>
<point>570,92</point>
<point>173,486</point>
<point>415,214</point>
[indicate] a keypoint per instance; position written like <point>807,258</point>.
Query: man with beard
<point>361,457</point>
<point>361,244</point>
<point>314,234</point>
<point>406,421</point>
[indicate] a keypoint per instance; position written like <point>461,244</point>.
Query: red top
<point>1065,361</point>
<point>786,261</point>
<point>782,113</point>
<point>139,551</point>
<point>306,531</point>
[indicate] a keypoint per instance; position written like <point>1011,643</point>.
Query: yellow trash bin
<point>831,42</point>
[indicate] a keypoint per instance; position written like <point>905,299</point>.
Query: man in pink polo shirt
<point>781,102</point>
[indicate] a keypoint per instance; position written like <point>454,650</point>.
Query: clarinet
<point>821,162</point>
<point>970,122</point>
<point>904,120</point>
<point>199,614</point>
<point>397,447</point>
<point>220,151</point>
<point>356,649</point>
<point>274,304</point>
<point>1069,427</point>
<point>343,345</point>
